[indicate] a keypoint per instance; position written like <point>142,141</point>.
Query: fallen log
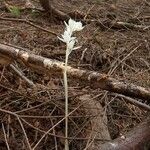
<point>136,139</point>
<point>94,79</point>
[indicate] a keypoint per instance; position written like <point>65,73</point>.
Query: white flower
<point>73,26</point>
<point>66,37</point>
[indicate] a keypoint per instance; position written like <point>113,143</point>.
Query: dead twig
<point>118,25</point>
<point>129,54</point>
<point>134,102</point>
<point>53,127</point>
<point>5,136</point>
<point>55,139</point>
<point>21,75</point>
<point>60,136</point>
<point>130,25</point>
<point>28,22</point>
<point>24,132</point>
<point>14,114</point>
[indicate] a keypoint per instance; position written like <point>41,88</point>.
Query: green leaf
<point>15,11</point>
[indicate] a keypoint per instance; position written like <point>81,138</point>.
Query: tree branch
<point>91,78</point>
<point>138,138</point>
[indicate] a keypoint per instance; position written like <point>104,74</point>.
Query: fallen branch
<point>92,78</point>
<point>104,24</point>
<point>138,138</point>
<point>120,24</point>
<point>134,102</point>
<point>21,75</point>
<point>28,22</point>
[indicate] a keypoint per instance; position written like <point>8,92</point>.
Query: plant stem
<point>66,103</point>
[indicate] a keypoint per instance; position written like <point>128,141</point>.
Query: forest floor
<point>121,51</point>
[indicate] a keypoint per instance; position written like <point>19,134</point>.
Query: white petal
<point>66,36</point>
<point>65,23</point>
<point>74,26</point>
<point>71,44</point>
<point>71,22</point>
<point>79,26</point>
<point>77,47</point>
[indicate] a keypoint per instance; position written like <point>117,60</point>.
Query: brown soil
<point>121,52</point>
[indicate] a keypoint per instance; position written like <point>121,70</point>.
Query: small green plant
<point>15,11</point>
<point>70,41</point>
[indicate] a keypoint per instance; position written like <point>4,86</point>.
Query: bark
<point>137,139</point>
<point>47,5</point>
<point>91,78</point>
